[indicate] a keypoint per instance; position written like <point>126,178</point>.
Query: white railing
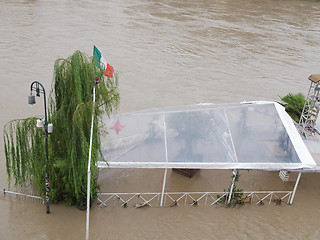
<point>23,195</point>
<point>190,198</point>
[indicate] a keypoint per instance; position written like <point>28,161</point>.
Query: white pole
<point>295,188</point>
<point>232,185</point>
<point>166,150</point>
<point>89,166</point>
<point>163,186</point>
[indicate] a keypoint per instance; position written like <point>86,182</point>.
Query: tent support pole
<point>163,186</point>
<point>234,172</point>
<point>295,188</point>
<point>166,151</point>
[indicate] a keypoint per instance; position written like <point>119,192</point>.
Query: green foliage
<point>293,104</point>
<point>237,193</point>
<point>24,149</point>
<point>70,111</point>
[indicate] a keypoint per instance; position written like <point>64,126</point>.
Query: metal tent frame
<point>250,135</point>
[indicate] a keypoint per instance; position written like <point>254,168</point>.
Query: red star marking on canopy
<point>117,127</point>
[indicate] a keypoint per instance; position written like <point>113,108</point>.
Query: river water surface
<point>168,53</point>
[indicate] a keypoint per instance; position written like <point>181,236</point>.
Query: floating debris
<point>141,205</point>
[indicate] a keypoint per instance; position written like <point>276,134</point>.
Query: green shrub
<point>293,104</point>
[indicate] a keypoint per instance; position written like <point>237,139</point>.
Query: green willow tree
<point>70,111</point>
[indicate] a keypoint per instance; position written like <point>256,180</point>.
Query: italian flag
<point>99,56</point>
<point>108,68</point>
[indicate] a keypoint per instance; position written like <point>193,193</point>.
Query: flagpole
<point>89,167</point>
<point>98,55</point>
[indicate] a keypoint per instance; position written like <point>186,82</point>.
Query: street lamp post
<point>38,88</point>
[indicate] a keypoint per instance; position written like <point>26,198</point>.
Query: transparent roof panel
<point>198,136</point>
<point>134,138</point>
<point>236,136</point>
<point>259,135</point>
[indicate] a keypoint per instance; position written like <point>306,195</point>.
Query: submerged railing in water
<point>5,192</point>
<point>177,198</point>
<point>190,198</point>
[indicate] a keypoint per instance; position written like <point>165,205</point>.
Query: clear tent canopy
<point>251,135</point>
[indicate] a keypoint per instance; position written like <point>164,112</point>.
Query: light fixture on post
<point>40,123</point>
<point>31,99</point>
<point>38,88</point>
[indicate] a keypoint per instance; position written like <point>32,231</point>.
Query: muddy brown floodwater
<point>168,53</point>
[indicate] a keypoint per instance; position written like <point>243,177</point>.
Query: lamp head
<point>31,99</point>
<point>50,128</point>
<point>40,123</point>
<point>38,91</point>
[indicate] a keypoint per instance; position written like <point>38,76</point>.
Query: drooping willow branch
<point>23,144</point>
